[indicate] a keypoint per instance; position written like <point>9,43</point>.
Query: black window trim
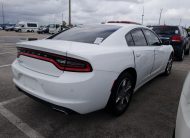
<point>154,34</point>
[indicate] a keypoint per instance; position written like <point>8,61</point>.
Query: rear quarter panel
<point>112,59</point>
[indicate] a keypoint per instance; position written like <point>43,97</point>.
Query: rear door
<point>143,54</point>
<point>154,42</point>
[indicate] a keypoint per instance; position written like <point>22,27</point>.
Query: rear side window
<point>31,25</point>
<point>94,34</point>
<point>139,38</point>
<point>185,32</point>
<point>129,40</point>
<point>151,38</point>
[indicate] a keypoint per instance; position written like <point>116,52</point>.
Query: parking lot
<point>151,114</point>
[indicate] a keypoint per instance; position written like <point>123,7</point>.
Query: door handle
<point>138,55</point>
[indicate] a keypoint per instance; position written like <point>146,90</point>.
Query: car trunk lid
<point>35,48</point>
<point>75,54</point>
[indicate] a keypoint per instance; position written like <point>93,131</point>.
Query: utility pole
<point>143,16</point>
<point>3,14</point>
<point>69,12</point>
<point>62,17</point>
<point>180,21</point>
<point>160,16</point>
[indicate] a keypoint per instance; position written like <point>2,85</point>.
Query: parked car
<point>91,67</point>
<point>56,28</point>
<point>183,117</point>
<point>176,36</point>
<point>26,27</point>
<point>1,28</point>
<point>43,30</point>
<point>9,28</point>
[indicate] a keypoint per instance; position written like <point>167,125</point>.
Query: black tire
<point>181,56</point>
<point>187,52</point>
<point>169,66</point>
<point>173,136</point>
<point>121,94</point>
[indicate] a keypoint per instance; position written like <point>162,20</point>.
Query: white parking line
<point>7,53</point>
<point>13,100</point>
<point>5,65</point>
<point>26,129</point>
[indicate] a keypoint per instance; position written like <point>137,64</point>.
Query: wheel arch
<point>132,71</point>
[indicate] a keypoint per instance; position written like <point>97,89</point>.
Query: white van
<point>54,28</point>
<point>26,27</point>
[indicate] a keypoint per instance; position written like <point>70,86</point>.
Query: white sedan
<point>183,116</point>
<point>91,67</point>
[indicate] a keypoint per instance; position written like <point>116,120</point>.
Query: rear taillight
<point>61,62</point>
<point>176,38</point>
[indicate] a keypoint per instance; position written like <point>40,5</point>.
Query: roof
<point>124,22</point>
<point>125,25</point>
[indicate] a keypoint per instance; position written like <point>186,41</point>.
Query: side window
<point>129,40</point>
<point>151,38</point>
<point>185,33</point>
<point>139,38</point>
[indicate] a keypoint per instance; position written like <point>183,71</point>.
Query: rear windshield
<point>93,34</point>
<point>166,30</point>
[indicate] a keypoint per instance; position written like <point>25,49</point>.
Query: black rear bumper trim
<point>53,106</point>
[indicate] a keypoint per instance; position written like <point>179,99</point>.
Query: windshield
<point>94,34</point>
<point>166,30</point>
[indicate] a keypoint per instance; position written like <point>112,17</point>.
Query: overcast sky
<point>96,11</point>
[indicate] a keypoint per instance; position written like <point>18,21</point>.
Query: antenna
<point>143,16</point>
<point>161,10</point>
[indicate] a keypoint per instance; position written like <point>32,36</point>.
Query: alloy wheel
<point>124,93</point>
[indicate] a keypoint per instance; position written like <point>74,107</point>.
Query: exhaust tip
<point>60,110</point>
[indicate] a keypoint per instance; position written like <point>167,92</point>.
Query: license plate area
<point>31,83</point>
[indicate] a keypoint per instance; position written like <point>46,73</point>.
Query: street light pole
<point>143,16</point>
<point>69,12</point>
<point>180,21</point>
<point>160,16</point>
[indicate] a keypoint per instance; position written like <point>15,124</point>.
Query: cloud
<point>96,11</point>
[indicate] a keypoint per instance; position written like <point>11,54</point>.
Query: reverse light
<point>61,62</point>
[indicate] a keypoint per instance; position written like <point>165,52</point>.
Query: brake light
<point>61,62</point>
<point>176,38</point>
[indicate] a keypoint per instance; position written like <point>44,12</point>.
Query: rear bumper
<point>80,92</point>
<point>53,106</point>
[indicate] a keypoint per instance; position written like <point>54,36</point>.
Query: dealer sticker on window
<point>98,40</point>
